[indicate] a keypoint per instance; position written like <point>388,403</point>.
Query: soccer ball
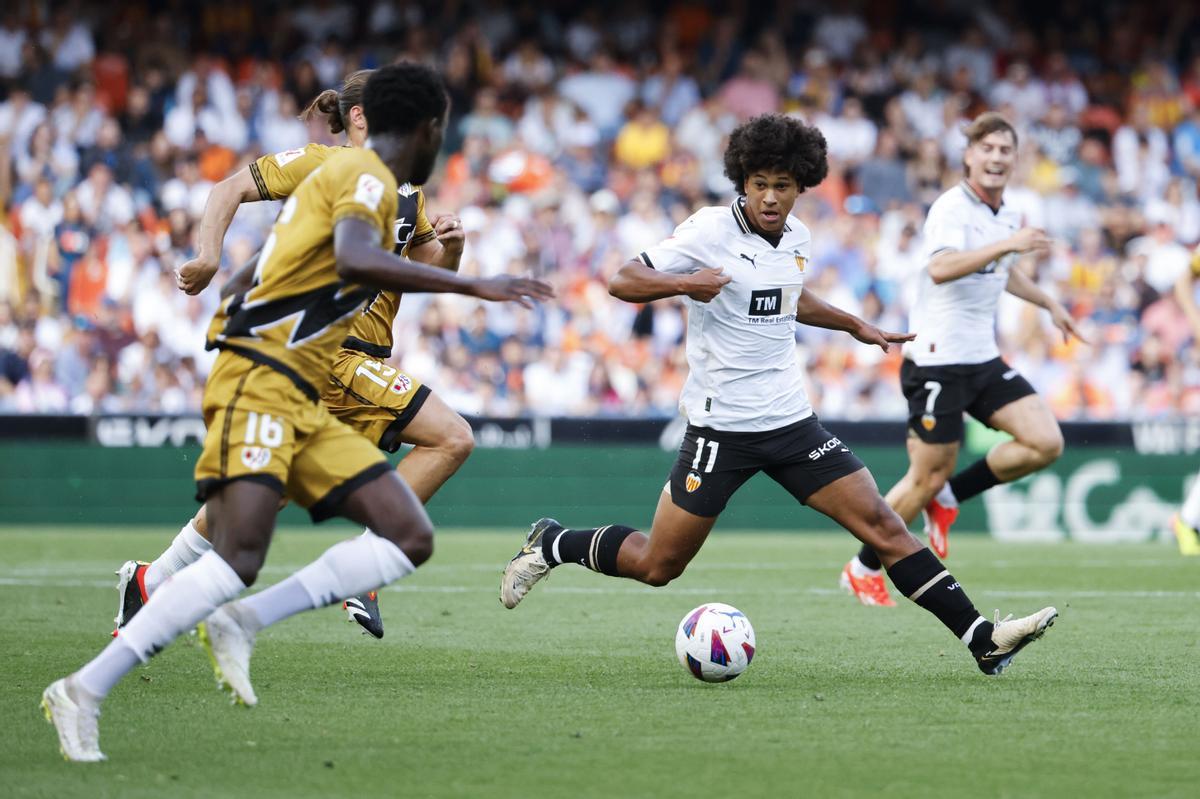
<point>715,642</point>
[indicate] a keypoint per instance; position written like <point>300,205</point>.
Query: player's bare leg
<point>655,559</point>
<point>1037,439</point>
<point>442,443</point>
<point>1037,442</point>
<point>854,502</point>
<point>675,537</point>
<point>929,467</point>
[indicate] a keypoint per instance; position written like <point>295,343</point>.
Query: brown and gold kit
<point>375,399</point>
<point>277,340</point>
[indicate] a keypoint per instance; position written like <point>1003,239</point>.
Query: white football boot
<point>1011,635</point>
<point>75,720</point>
<point>229,644</point>
<point>527,566</point>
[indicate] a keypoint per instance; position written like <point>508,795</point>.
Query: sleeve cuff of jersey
<point>259,183</point>
<point>646,260</point>
<point>421,239</point>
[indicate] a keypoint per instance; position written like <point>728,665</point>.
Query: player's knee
<point>886,532</point>
<point>246,562</point>
<point>459,441</point>
<point>1047,448</point>
<point>416,541</point>
<point>928,482</point>
<point>661,573</point>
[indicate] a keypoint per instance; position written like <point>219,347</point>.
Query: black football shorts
<point>802,457</point>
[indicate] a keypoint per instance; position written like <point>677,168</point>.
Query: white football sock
<point>98,676</point>
<point>178,605</point>
<point>946,497</point>
<point>344,570</point>
<point>1190,512</point>
<point>189,597</point>
<point>859,570</point>
<point>186,549</point>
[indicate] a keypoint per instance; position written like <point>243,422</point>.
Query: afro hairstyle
<point>399,97</point>
<point>776,143</point>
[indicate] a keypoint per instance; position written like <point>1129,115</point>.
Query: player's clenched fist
<point>704,284</point>
<point>449,231</point>
<point>195,275</point>
<point>1030,239</point>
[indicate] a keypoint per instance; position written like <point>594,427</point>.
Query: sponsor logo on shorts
<point>402,384</point>
<point>1010,374</point>
<point>928,421</point>
<point>692,482</point>
<point>255,458</point>
<point>828,446</point>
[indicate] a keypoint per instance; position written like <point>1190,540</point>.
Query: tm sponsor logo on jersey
<point>828,446</point>
<point>766,306</point>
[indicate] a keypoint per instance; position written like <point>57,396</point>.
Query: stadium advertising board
<point>1114,483</point>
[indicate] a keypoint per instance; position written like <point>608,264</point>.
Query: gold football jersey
<point>278,175</point>
<point>372,330</point>
<point>298,310</point>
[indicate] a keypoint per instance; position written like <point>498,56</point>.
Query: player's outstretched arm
<point>360,259</point>
<point>953,264</point>
<point>636,282</point>
<point>1022,285</point>
<point>814,311</point>
<point>223,201</point>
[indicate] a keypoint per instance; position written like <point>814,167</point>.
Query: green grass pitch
<point>577,692</point>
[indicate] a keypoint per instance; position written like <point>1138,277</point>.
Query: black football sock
<point>868,558</point>
<point>973,480</point>
<point>922,578</point>
<point>595,548</point>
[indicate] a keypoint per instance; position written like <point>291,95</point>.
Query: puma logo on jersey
<point>749,258</point>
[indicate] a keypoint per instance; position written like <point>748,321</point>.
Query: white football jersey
<point>955,322</point>
<point>741,347</point>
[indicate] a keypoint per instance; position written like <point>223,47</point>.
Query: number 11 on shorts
<point>712,454</point>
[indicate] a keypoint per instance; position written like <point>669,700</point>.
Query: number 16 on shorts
<point>263,434</point>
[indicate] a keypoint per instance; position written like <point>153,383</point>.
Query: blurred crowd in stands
<point>581,133</point>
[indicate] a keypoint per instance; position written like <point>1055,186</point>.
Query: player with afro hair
<point>776,143</point>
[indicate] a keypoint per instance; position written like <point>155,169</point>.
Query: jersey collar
<point>974,196</point>
<point>739,217</point>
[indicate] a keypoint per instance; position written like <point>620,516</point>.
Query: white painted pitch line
<point>1047,594</point>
